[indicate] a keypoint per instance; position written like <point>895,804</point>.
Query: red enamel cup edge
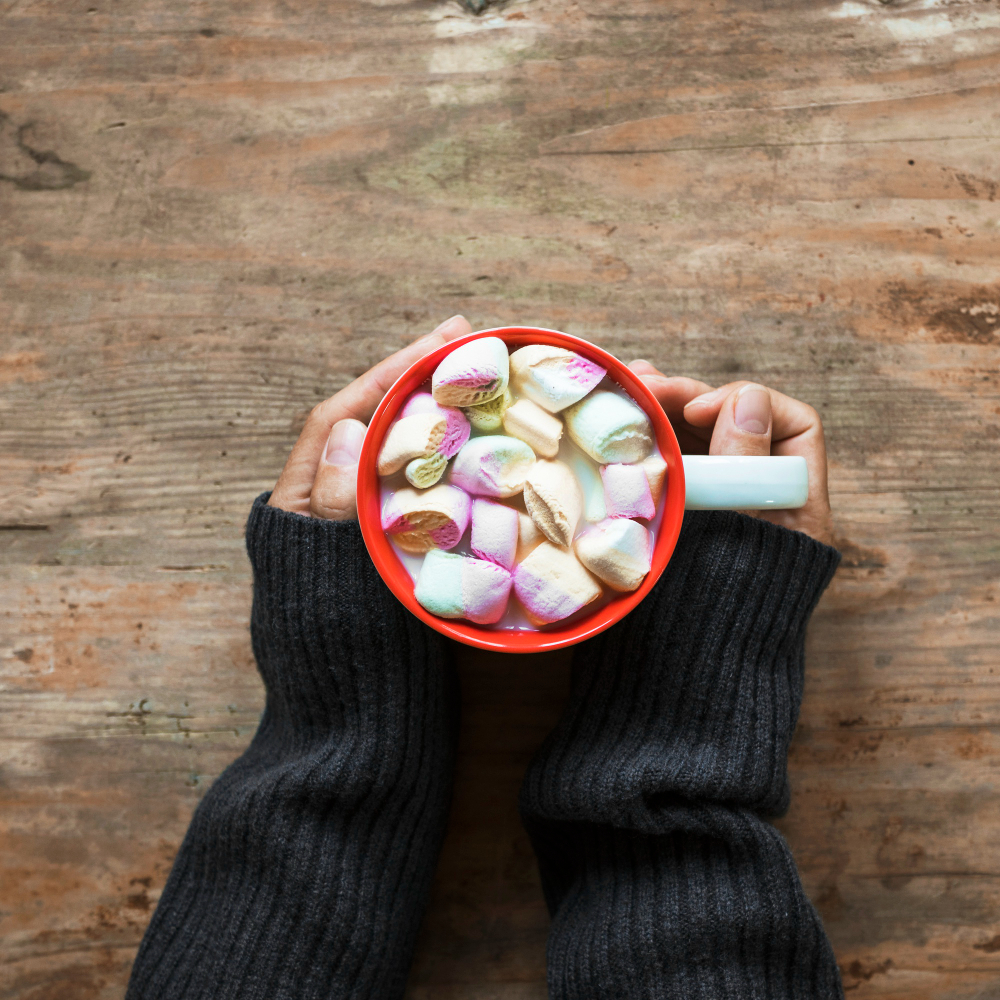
<point>395,574</point>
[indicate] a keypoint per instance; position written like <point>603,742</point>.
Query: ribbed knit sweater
<point>307,866</point>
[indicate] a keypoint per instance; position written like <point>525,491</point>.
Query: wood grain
<point>214,215</point>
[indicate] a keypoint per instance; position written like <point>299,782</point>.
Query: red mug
<point>557,635</point>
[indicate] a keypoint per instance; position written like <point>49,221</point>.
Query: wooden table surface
<point>212,215</point>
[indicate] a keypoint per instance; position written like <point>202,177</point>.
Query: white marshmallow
<point>473,373</point>
<point>457,428</point>
<point>552,584</point>
<point>554,500</point>
<point>528,535</point>
<point>626,491</point>
<point>552,376</point>
<point>618,551</point>
<point>590,482</point>
<point>415,436</point>
<point>434,518</point>
<point>492,466</point>
<point>656,474</point>
<point>488,417</point>
<point>494,532</point>
<point>534,426</point>
<point>455,586</point>
<point>610,428</point>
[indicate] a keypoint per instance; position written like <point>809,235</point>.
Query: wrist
<point>321,611</point>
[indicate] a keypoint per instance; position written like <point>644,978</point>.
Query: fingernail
<point>753,410</point>
<point>343,447</point>
<point>447,323</point>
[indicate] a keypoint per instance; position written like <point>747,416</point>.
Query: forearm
<point>646,803</point>
<point>306,867</point>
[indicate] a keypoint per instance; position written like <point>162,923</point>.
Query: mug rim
<point>550,637</point>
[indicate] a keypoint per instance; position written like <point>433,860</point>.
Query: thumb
<point>743,426</point>
<point>334,490</point>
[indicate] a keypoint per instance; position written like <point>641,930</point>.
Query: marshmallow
<point>434,518</point>
<point>590,482</point>
<point>473,373</point>
<point>551,584</point>
<point>488,417</point>
<point>551,376</point>
<point>416,436</point>
<point>554,500</point>
<point>616,550</point>
<point>456,431</point>
<point>656,474</point>
<point>534,426</point>
<point>494,532</point>
<point>610,428</point>
<point>424,472</point>
<point>626,491</point>
<point>455,586</point>
<point>528,535</point>
<point>492,466</point>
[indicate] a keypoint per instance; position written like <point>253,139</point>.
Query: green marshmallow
<point>489,416</point>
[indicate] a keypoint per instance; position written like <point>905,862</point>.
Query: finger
<point>358,402</point>
<point>743,426</point>
<point>334,491</point>
<point>643,367</point>
<point>673,393</point>
<point>359,399</point>
<point>789,416</point>
<point>815,518</point>
<point>796,429</point>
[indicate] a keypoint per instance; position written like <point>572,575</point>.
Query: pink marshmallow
<point>474,373</point>
<point>455,586</point>
<point>457,427</point>
<point>552,377</point>
<point>494,532</point>
<point>416,436</point>
<point>426,519</point>
<point>485,591</point>
<point>492,466</point>
<point>552,584</point>
<point>626,491</point>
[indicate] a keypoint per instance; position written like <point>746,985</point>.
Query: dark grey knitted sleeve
<point>647,804</point>
<point>306,868</point>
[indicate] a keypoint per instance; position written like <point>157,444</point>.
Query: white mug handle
<point>745,482</point>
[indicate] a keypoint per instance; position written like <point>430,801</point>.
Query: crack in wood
<point>761,145</point>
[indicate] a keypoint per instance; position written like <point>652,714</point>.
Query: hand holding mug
<point>320,477</point>
<point>741,418</point>
<point>745,418</point>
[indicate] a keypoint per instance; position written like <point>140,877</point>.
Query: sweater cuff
<point>320,608</point>
<point>747,587</point>
<point>725,644</point>
<point>694,695</point>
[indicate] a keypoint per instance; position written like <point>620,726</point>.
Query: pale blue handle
<point>745,482</point>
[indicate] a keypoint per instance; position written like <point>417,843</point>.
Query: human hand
<point>744,418</point>
<point>321,475</point>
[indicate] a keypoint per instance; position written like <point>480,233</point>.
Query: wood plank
<point>211,217</point>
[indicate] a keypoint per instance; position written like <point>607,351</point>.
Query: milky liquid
<point>587,472</point>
